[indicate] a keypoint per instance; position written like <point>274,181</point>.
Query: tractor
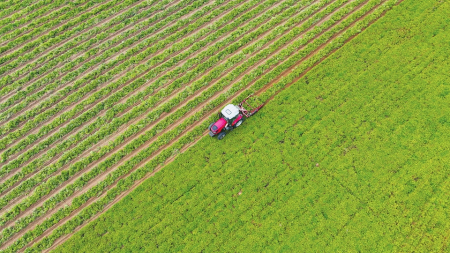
<point>231,117</point>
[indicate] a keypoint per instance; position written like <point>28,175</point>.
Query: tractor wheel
<point>210,125</point>
<point>221,135</point>
<point>239,123</point>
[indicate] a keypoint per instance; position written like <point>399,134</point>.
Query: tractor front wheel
<point>210,125</point>
<point>221,135</point>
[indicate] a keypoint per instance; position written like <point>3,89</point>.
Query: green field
<point>354,156</point>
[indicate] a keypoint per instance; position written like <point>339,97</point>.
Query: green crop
<point>358,160</point>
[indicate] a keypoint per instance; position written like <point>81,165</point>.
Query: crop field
<point>354,156</point>
<point>96,96</point>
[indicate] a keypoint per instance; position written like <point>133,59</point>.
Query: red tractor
<point>231,117</point>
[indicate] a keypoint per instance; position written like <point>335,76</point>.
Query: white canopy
<point>230,111</point>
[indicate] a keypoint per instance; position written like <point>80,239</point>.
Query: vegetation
<point>358,159</point>
<point>96,96</point>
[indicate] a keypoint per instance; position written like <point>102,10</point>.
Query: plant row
<point>127,182</point>
<point>82,42</point>
<point>98,78</point>
<point>138,110</point>
<point>16,6</point>
<point>96,33</point>
<point>62,33</point>
<point>50,85</point>
<point>123,41</point>
<point>15,24</point>
<point>196,86</point>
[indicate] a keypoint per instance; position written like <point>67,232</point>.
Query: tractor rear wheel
<point>239,123</point>
<point>221,135</point>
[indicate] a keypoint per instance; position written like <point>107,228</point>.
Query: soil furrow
<point>56,45</point>
<point>83,41</point>
<point>14,12</point>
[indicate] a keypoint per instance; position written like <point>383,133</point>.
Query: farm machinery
<point>231,117</point>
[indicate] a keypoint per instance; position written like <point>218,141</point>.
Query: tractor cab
<point>231,117</point>
<point>230,113</point>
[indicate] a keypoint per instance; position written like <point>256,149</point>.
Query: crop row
<point>50,36</point>
<point>81,42</point>
<point>71,76</point>
<point>60,34</point>
<point>138,110</point>
<point>128,182</point>
<point>14,25</point>
<point>196,86</point>
<point>16,5</point>
<point>105,11</point>
<point>127,63</point>
<point>140,81</point>
<point>93,31</point>
<point>188,78</point>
